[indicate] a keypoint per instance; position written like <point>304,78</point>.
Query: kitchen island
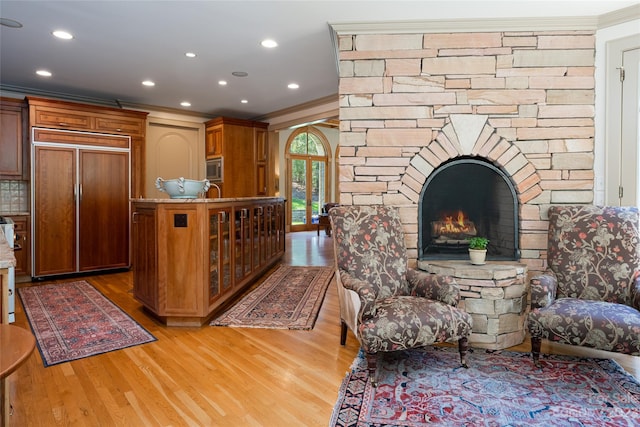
<point>191,256</point>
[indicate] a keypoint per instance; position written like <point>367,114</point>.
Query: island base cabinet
<point>192,257</point>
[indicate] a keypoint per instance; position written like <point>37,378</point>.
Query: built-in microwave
<point>214,169</point>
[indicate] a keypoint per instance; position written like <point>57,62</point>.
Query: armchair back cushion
<point>594,252</point>
<point>371,246</point>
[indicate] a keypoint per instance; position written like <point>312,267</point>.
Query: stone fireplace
<point>514,108</point>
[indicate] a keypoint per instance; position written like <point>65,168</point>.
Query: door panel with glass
<point>308,180</point>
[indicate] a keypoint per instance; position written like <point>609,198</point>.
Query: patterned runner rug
<point>430,388</point>
<point>290,298</point>
<point>74,320</point>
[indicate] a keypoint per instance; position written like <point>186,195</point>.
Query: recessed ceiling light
<point>185,104</point>
<point>244,101</point>
<point>293,86</point>
<point>268,43</point>
<point>63,35</point>
<point>148,83</point>
<point>190,55</point>
<point>44,73</point>
<point>240,73</point>
<point>6,22</point>
<point>222,82</point>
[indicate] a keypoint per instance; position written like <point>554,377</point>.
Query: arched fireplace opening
<point>463,198</point>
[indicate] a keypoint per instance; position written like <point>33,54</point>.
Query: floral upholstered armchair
<point>590,295</point>
<point>387,305</point>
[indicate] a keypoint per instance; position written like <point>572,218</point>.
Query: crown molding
<point>619,16</point>
<point>565,23</point>
<point>321,108</point>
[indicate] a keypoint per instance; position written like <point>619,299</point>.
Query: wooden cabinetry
<point>14,161</point>
<point>54,114</point>
<point>22,250</point>
<point>242,145</point>
<point>88,160</point>
<point>190,257</point>
<point>81,202</point>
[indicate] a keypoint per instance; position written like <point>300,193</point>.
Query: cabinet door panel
<point>61,118</point>
<point>145,257</point>
<point>11,143</point>
<point>55,218</point>
<point>123,125</point>
<point>103,210</point>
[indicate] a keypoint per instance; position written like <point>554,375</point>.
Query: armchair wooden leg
<point>372,367</point>
<point>463,346</point>
<point>343,333</point>
<point>536,343</point>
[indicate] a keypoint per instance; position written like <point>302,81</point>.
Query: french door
<point>308,188</point>
<point>307,156</point>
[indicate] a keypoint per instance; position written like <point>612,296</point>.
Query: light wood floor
<point>208,376</point>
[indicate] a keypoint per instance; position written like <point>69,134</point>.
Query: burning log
<point>457,228</point>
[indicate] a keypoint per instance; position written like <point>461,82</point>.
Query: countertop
<point>7,259</point>
<point>216,200</point>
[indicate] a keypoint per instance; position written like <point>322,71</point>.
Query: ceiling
<point>118,44</point>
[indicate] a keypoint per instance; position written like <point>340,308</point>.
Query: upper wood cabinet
<point>54,114</point>
<point>213,142</point>
<point>14,161</point>
<point>68,115</point>
<point>242,145</point>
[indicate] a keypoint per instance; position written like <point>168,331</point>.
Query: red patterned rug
<point>430,388</point>
<point>290,298</point>
<point>74,320</point>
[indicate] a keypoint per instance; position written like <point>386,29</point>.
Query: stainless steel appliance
<point>7,226</point>
<point>215,169</point>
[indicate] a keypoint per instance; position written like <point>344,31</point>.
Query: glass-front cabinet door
<point>242,244</point>
<point>220,271</point>
<point>279,224</point>
<point>257,235</point>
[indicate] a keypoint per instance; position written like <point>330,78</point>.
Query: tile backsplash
<point>14,196</point>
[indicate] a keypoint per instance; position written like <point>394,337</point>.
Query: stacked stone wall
<point>522,100</point>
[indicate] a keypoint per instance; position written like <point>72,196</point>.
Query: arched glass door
<point>307,162</point>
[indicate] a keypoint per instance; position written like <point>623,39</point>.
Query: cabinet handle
<point>80,193</point>
<point>63,124</point>
<point>133,217</point>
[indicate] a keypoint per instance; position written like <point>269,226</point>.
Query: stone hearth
<point>494,294</point>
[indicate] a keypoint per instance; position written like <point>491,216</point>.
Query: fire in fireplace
<point>452,231</point>
<point>463,198</point>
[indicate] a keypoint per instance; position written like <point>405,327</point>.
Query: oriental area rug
<point>74,320</point>
<point>290,298</point>
<point>430,388</point>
